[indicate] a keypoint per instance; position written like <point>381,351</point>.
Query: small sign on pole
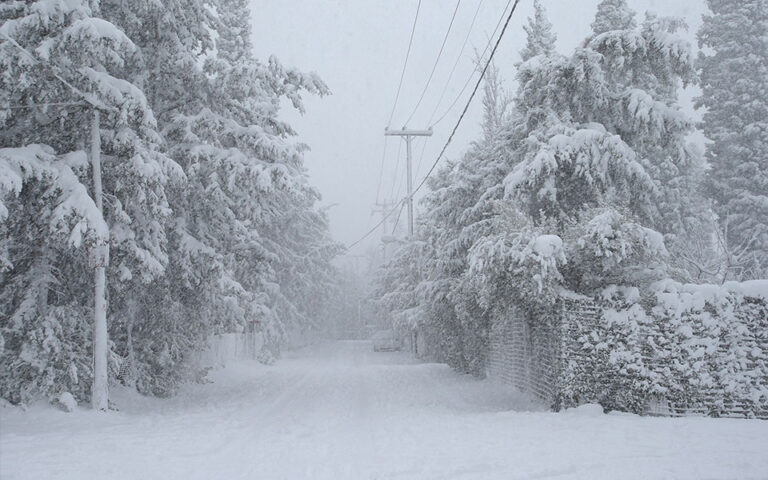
<point>98,256</point>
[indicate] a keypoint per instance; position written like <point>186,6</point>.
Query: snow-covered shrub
<point>46,355</point>
<point>67,402</point>
<point>610,248</point>
<point>701,348</point>
<point>520,265</point>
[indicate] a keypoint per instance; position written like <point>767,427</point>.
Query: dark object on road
<point>385,341</point>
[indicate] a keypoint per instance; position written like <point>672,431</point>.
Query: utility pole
<point>99,258</point>
<point>408,135</point>
<point>384,208</point>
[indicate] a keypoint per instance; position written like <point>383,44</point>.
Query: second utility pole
<point>409,134</point>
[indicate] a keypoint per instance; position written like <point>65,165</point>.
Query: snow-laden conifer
<point>60,61</point>
<point>734,82</point>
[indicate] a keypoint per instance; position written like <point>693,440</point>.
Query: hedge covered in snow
<point>674,350</point>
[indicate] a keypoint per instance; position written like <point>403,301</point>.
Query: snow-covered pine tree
<point>58,60</point>
<point>540,39</point>
<point>46,220</point>
<point>274,199</point>
<point>734,82</point>
<point>613,15</point>
<point>503,235</point>
<point>604,161</point>
<point>245,210</point>
<point>646,70</point>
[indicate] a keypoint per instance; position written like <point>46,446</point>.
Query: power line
<point>469,101</point>
<point>466,83</point>
<point>453,132</point>
<point>397,96</point>
<point>437,60</point>
<point>474,70</point>
<point>456,63</point>
<point>405,64</point>
<point>397,220</point>
<point>421,158</point>
<point>43,105</point>
<point>375,227</point>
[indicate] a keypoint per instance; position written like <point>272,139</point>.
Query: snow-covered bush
<point>516,265</point>
<point>701,348</point>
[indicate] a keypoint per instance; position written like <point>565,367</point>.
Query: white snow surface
<point>340,411</point>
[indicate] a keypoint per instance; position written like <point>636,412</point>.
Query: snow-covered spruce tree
<point>604,178</point>
<point>540,40</point>
<point>246,242</point>
<point>734,82</point>
<point>173,316</point>
<point>613,15</point>
<point>55,54</point>
<point>46,219</point>
<point>503,236</point>
<point>274,201</point>
<point>604,164</point>
<point>425,286</point>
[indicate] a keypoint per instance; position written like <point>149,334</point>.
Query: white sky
<point>358,48</point>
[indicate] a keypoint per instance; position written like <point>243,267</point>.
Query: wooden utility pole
<point>408,135</point>
<point>385,209</point>
<point>99,258</point>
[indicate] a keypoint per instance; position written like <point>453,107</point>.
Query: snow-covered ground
<point>340,411</point>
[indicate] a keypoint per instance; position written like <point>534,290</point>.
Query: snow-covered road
<point>340,411</point>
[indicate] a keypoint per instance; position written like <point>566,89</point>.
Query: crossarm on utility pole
<point>407,133</point>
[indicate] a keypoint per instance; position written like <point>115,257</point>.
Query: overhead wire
<point>453,132</point>
<point>456,63</point>
<point>397,219</point>
<point>405,63</point>
<point>471,97</point>
<point>45,105</point>
<point>437,60</point>
<point>474,70</point>
<point>397,96</point>
<point>469,78</point>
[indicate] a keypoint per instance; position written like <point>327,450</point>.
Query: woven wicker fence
<point>707,359</point>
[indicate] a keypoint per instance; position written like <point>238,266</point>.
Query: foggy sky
<point>358,47</point>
